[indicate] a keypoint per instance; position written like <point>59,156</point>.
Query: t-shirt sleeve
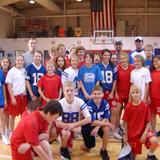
<point>84,109</point>
<point>107,113</point>
<point>27,73</point>
<point>90,109</point>
<point>31,133</point>
<point>115,71</point>
<point>9,77</point>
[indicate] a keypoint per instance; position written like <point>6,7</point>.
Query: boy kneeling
<point>100,113</point>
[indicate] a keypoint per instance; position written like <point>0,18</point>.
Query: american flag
<point>102,14</point>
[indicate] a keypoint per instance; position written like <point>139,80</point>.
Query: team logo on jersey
<point>89,77</point>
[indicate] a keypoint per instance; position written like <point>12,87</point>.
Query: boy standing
<point>137,122</point>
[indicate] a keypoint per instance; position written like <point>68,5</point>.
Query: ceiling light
<point>31,1</point>
<point>79,0</point>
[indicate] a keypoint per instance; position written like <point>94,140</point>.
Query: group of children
<point>79,93</point>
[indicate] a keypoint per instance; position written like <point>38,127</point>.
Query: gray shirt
<point>28,58</point>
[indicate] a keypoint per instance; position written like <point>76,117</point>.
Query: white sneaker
<point>5,140</point>
<point>117,136</point>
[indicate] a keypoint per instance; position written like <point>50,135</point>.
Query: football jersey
<point>73,112</point>
<point>70,74</point>
<point>109,74</point>
<point>99,112</point>
<point>59,72</point>
<point>136,116</point>
<point>89,77</point>
<point>33,75</point>
<point>134,53</point>
<point>123,77</point>
<point>2,81</point>
<point>141,77</point>
<point>155,85</point>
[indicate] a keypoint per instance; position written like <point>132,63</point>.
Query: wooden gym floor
<point>113,148</point>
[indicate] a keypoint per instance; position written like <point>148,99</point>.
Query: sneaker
<point>5,140</point>
<point>117,136</point>
<point>104,155</point>
<point>65,155</point>
<point>151,157</point>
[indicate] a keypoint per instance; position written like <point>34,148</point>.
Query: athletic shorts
<point>122,100</point>
<point>112,102</point>
<point>155,106</point>
<point>136,145</point>
<point>15,110</point>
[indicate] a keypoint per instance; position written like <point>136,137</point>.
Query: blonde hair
<point>50,62</point>
<point>74,56</point>
<point>124,54</point>
<point>136,89</point>
<point>68,84</point>
<point>148,46</point>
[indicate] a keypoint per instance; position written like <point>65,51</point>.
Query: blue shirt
<point>99,112</point>
<point>89,77</point>
<point>109,74</point>
<point>2,81</point>
<point>33,75</point>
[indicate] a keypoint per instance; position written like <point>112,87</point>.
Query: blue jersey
<point>2,81</point>
<point>89,77</point>
<point>33,75</point>
<point>109,74</point>
<point>99,112</point>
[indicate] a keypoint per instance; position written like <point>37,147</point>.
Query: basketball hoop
<point>103,37</point>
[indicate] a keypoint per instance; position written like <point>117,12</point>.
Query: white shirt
<point>16,77</point>
<point>142,53</point>
<point>70,74</point>
<point>141,77</point>
<point>73,112</point>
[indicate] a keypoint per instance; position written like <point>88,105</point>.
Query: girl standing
<point>17,90</point>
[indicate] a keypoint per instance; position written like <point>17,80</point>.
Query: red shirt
<point>155,85</point>
<point>28,130</point>
<point>80,64</point>
<point>123,80</point>
<point>137,118</point>
<point>51,86</point>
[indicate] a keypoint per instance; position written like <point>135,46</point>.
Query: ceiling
<point>56,7</point>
